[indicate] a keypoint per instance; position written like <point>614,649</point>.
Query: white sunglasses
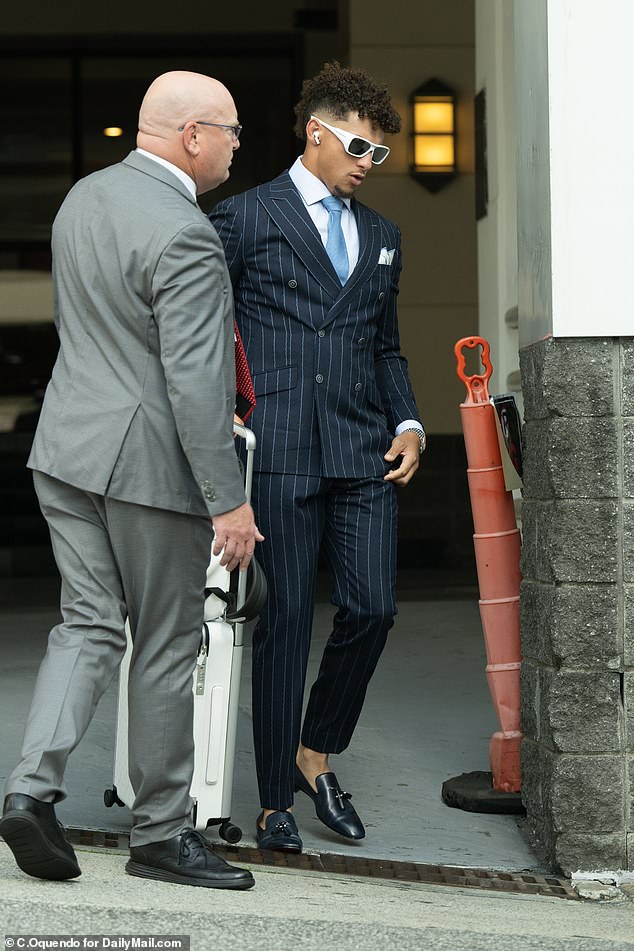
<point>356,146</point>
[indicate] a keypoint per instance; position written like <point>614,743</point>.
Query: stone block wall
<point>577,602</point>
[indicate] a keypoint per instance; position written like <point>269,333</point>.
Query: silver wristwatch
<point>420,433</point>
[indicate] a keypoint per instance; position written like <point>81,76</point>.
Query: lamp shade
<point>433,161</point>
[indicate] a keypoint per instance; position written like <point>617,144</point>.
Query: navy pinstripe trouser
<point>355,523</point>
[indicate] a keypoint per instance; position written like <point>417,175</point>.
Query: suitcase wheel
<point>110,798</point>
<point>230,833</point>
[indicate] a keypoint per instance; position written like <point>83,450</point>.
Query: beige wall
<point>497,231</point>
<point>405,45</point>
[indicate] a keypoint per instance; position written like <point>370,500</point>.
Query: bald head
<point>172,105</point>
<point>175,97</point>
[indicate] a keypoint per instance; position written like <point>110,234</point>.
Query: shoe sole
<point>162,875</point>
<point>34,852</point>
<point>294,849</point>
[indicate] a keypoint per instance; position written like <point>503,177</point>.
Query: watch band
<point>421,435</point>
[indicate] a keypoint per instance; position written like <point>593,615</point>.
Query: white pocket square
<point>386,257</point>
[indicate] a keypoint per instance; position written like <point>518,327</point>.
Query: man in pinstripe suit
<point>337,428</point>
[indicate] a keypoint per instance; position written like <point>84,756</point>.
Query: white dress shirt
<point>312,190</point>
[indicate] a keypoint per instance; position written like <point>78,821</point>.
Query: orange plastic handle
<point>477,389</point>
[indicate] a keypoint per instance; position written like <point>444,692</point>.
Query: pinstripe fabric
<point>329,378</point>
<point>331,387</point>
<point>356,522</point>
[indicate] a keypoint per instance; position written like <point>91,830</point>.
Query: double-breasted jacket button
<point>321,333</point>
<point>292,283</point>
<point>358,386</point>
<point>319,378</point>
<point>361,340</point>
<point>381,295</point>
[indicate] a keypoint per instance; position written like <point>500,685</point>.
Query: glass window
<point>35,147</point>
<point>262,87</point>
<point>55,109</point>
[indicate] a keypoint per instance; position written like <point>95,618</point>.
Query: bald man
<point>134,466</point>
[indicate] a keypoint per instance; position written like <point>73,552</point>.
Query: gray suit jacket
<point>140,404</point>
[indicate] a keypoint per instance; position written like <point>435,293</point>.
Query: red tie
<point>245,394</point>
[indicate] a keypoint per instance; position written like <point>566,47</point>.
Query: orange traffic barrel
<point>497,546</point>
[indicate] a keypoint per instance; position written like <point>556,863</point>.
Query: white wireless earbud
<point>316,137</point>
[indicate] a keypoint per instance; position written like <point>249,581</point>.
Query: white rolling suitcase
<point>231,599</point>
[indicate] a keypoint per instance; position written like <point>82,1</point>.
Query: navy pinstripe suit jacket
<point>330,381</point>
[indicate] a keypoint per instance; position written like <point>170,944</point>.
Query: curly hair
<point>338,90</point>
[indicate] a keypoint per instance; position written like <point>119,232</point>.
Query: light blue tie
<point>336,243</point>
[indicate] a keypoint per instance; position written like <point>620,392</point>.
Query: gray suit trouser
<point>117,560</point>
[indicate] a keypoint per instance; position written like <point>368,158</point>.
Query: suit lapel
<point>369,249</point>
<point>285,206</point>
<point>369,246</point>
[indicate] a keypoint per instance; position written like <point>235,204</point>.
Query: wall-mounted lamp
<point>113,131</point>
<point>433,161</point>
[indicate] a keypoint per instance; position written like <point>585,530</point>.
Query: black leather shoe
<point>280,833</point>
<point>186,859</point>
<point>37,839</point>
<point>332,804</point>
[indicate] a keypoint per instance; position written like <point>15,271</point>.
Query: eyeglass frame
<point>346,138</point>
<point>235,130</point>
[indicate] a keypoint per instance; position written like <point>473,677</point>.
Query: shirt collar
<point>311,188</point>
<point>188,182</point>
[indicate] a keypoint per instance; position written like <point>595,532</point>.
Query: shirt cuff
<point>408,424</point>
<point>413,424</point>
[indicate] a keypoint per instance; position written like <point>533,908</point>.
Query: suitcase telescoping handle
<point>247,589</point>
<point>249,440</point>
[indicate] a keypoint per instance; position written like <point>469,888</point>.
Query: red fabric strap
<point>245,394</point>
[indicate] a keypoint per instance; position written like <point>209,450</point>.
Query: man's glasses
<point>235,130</point>
<point>356,146</point>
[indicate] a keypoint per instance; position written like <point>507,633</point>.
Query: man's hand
<point>407,445</point>
<point>235,536</point>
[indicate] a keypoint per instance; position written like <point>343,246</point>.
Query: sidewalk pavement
<point>290,910</point>
<point>428,717</point>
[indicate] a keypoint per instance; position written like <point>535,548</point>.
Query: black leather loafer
<point>332,804</point>
<point>187,859</point>
<point>36,838</point>
<point>280,833</point>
